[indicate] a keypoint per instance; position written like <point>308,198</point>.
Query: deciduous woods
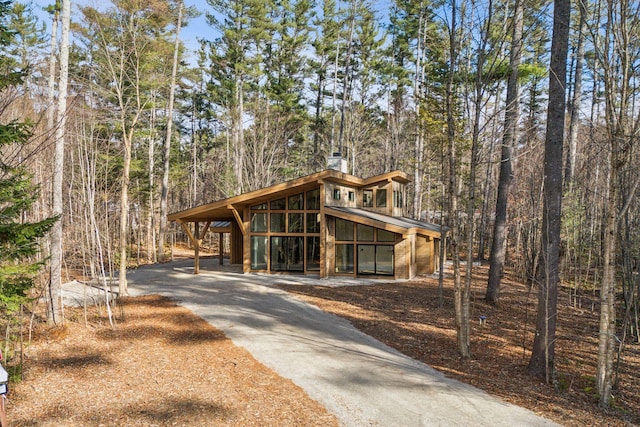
<point>466,98</point>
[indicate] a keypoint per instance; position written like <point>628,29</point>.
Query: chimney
<point>336,162</point>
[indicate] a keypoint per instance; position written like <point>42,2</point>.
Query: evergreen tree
<point>19,239</point>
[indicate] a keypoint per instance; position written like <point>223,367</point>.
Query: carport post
<point>221,248</point>
<point>196,249</point>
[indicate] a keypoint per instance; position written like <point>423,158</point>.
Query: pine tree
<point>19,239</point>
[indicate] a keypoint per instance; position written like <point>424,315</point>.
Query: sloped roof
<point>222,210</point>
<point>391,223</point>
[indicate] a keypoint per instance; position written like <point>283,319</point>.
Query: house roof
<point>227,209</point>
<point>400,225</point>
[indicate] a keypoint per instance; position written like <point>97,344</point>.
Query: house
<point>328,223</point>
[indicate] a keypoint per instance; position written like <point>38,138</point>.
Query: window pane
<point>367,198</point>
<point>344,258</point>
<point>336,194</point>
<point>287,253</point>
<point>258,252</point>
<point>277,223</point>
<point>313,199</point>
<point>384,260</point>
<point>386,236</point>
<point>261,206</point>
<point>295,253</point>
<point>313,253</point>
<point>296,202</point>
<point>278,204</point>
<point>366,259</point>
<point>352,196</point>
<point>278,254</point>
<point>296,223</point>
<point>381,198</point>
<point>344,229</point>
<point>313,223</point>
<point>259,222</point>
<point>365,233</point>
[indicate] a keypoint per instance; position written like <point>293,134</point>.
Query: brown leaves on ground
<point>160,365</point>
<point>408,317</point>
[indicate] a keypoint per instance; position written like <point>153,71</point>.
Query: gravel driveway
<point>357,378</point>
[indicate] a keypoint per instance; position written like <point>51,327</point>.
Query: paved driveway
<point>357,378</point>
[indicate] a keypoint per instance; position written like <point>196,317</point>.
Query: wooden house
<point>329,224</point>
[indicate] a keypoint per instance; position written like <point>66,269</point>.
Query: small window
<point>278,204</point>
<point>352,196</point>
<point>397,199</point>
<point>367,198</point>
<point>381,198</point>
<point>336,194</point>
<point>296,202</point>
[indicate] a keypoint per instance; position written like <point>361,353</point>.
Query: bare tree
<point>167,141</point>
<point>55,297</point>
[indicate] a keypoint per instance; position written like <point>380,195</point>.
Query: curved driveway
<point>357,378</point>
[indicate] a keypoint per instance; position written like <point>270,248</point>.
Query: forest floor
<point>162,365</point>
<point>408,317</point>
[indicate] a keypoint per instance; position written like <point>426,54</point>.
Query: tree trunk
<point>55,297</point>
<point>462,331</point>
<point>498,243</point>
<point>167,141</point>
<point>574,107</point>
<point>542,356</point>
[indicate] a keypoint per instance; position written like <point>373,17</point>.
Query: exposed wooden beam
<point>238,219</point>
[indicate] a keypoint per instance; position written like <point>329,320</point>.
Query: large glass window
<point>344,258</point>
<point>375,259</point>
<point>381,198</point>
<point>258,252</point>
<point>366,259</point>
<point>259,222</point>
<point>344,229</point>
<point>313,199</point>
<point>287,253</point>
<point>313,253</point>
<point>313,222</point>
<point>296,223</point>
<point>277,223</point>
<point>384,260</point>
<point>296,202</point>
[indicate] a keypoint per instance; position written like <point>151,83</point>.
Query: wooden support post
<point>221,248</point>
<point>196,235</point>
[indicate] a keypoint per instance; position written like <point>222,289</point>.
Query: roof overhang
<point>223,210</point>
<point>400,225</point>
